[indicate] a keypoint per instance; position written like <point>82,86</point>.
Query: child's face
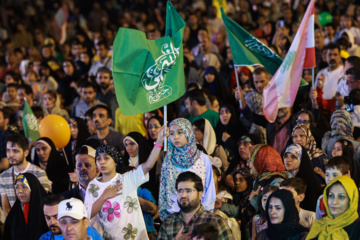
<point>331,173</point>
<point>264,199</point>
<point>337,150</point>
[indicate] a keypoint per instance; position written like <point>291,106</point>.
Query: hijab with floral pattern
<point>176,158</point>
<point>296,150</point>
<point>311,148</point>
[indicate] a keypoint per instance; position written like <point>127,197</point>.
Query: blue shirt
<point>148,218</point>
<point>91,232</point>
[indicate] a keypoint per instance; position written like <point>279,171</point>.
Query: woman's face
<point>74,129</point>
<point>225,116</point>
<point>291,162</point>
<point>307,75</point>
<point>22,192</point>
<point>338,200</point>
<point>215,106</point>
<point>199,136</point>
<point>209,77</point>
<point>240,183</point>
<point>276,210</point>
<point>177,136</point>
<point>43,151</point>
<point>147,116</point>
<point>264,199</point>
<point>154,128</point>
<point>299,137</point>
<point>49,101</point>
<point>131,148</point>
<point>68,68</point>
<point>337,150</point>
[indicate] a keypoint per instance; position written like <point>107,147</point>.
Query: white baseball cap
<point>72,207</point>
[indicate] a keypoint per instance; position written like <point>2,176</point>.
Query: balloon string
<point>67,161</point>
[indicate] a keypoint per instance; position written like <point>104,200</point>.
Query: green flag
<point>30,123</point>
<point>149,74</point>
<point>247,50</point>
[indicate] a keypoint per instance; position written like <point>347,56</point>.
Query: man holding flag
<point>279,95</point>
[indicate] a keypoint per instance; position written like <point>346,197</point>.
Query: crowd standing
<point>227,173</point>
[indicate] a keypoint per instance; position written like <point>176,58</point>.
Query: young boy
<point>297,187</point>
<point>337,166</point>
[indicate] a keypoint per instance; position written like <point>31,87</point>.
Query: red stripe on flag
<point>310,61</point>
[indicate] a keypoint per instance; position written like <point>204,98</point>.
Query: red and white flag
<point>59,19</point>
<point>283,87</point>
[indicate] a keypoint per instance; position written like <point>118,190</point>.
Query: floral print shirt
<point>120,217</point>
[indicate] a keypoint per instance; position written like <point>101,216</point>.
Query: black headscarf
<point>56,168</point>
<point>313,187</point>
<point>114,154</point>
<point>83,134</point>
<point>290,225</point>
<point>144,151</point>
<point>15,224</point>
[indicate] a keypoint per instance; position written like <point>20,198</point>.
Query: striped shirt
<point>7,181</point>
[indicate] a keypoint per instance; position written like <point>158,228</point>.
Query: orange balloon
<point>57,129</point>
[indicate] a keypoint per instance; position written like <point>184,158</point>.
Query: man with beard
<point>17,149</point>
<point>85,170</point>
<point>51,205</point>
<point>327,80</point>
<point>87,100</point>
<point>102,119</point>
<point>180,225</point>
<point>105,93</point>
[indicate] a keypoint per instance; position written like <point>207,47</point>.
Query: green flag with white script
<point>149,74</point>
<point>248,51</point>
<point>30,123</point>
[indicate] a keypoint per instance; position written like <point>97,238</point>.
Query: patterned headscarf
<point>266,159</point>
<point>111,151</point>
<point>296,150</point>
<point>311,148</point>
<point>23,179</point>
<point>178,160</point>
<point>341,124</point>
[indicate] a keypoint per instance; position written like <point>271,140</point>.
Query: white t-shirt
<point>120,217</point>
<point>331,82</point>
<point>307,218</point>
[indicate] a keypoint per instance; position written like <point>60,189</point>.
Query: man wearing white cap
<point>85,170</point>
<point>73,219</point>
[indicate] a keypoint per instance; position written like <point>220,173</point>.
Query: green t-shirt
<point>210,115</point>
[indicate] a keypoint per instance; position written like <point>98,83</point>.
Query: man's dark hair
<point>340,163</point>
<point>354,72</point>
<point>18,139</point>
<point>104,70</point>
<point>87,84</point>
<point>190,177</point>
<point>196,95</point>
<point>206,231</point>
<point>26,87</point>
<point>330,25</point>
<point>6,111</point>
<point>297,183</point>
<point>354,61</point>
<point>38,111</point>
<point>108,110</point>
<point>259,70</point>
<point>52,200</point>
<point>12,85</point>
<point>104,43</point>
<point>332,46</point>
<point>355,96</point>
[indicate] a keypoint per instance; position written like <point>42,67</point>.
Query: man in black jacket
<point>85,170</point>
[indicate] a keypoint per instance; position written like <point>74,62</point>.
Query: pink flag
<point>60,17</point>
<point>283,87</point>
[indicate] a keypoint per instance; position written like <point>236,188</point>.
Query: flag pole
<point>165,123</point>
<point>237,82</point>
<point>67,161</point>
<point>312,78</point>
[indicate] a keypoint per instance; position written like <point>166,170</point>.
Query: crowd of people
<point>227,172</point>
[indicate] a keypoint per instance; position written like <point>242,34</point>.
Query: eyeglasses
<point>186,190</point>
<point>302,121</point>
